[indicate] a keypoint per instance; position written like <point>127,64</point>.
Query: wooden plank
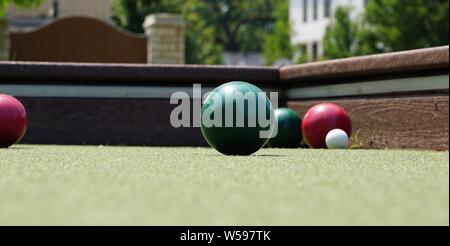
<point>126,74</point>
<point>414,84</point>
<point>95,91</point>
<point>104,91</point>
<point>417,122</point>
<point>405,62</point>
<point>413,122</point>
<point>78,39</point>
<point>95,121</point>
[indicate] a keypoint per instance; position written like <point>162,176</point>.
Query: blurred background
<point>231,32</point>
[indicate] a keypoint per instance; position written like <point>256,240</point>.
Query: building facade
<point>310,18</point>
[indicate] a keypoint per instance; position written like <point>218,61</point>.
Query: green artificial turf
<point>79,185</point>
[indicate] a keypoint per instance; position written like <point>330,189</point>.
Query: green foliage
<point>200,38</point>
<point>408,24</point>
<point>278,44</point>
<point>238,25</point>
<point>341,36</point>
<point>130,14</point>
<point>201,46</point>
<point>299,53</point>
<point>386,26</point>
<point>21,3</point>
<point>213,26</point>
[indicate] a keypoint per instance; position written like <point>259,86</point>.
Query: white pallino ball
<point>336,139</point>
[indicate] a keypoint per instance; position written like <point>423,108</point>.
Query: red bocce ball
<point>321,119</point>
<point>13,121</point>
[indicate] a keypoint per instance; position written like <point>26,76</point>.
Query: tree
<point>130,14</point>
<point>201,46</point>
<point>341,36</point>
<point>278,44</point>
<point>22,3</point>
<point>386,26</point>
<point>407,24</point>
<point>239,25</point>
<point>213,26</point>
<point>200,37</point>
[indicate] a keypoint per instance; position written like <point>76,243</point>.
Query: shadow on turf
<point>266,155</point>
<point>15,148</point>
<point>260,155</point>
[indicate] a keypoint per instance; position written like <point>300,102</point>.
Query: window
<point>315,9</point>
<point>305,10</point>
<point>327,8</point>
<point>315,51</point>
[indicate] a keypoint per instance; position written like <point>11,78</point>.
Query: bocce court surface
<point>101,185</point>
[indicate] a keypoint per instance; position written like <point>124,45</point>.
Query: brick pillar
<point>166,36</point>
<point>4,39</point>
